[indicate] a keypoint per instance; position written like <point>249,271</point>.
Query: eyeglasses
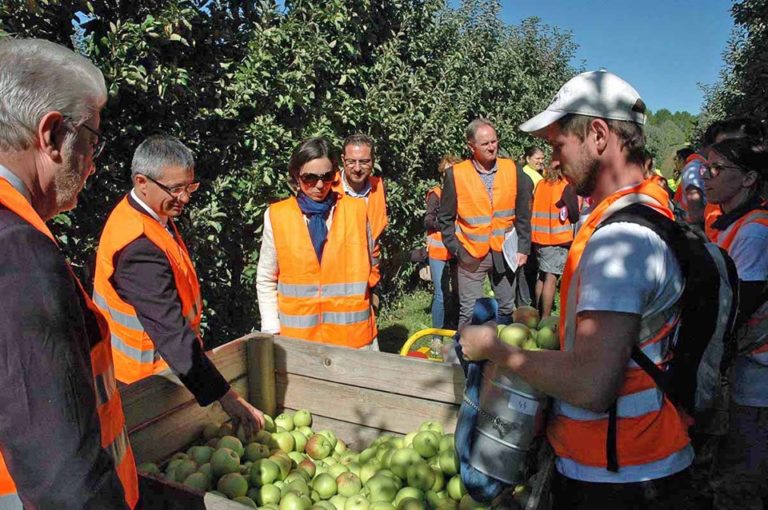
<point>311,179</point>
<point>713,170</point>
<point>98,147</point>
<point>176,191</point>
<point>364,163</point>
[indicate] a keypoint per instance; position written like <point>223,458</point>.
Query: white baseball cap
<point>594,94</point>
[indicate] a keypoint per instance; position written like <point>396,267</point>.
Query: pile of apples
<point>530,332</point>
<point>289,466</point>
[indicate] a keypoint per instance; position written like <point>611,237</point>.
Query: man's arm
<point>446,215</point>
<point>588,377</point>
<point>144,278</point>
<point>523,211</point>
<point>50,434</point>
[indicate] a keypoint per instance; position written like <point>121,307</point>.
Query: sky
<point>664,48</point>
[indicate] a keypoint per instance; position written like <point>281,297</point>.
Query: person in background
<point>146,285</point>
<point>555,211</point>
<point>717,132</point>
<point>445,282</point>
<point>358,160</point>
<point>690,193</point>
<point>735,174</point>
<point>316,259</point>
<point>534,164</point>
<point>62,431</point>
<point>527,277</point>
<point>619,442</point>
<point>484,198</point>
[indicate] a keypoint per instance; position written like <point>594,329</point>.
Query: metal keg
<point>510,416</point>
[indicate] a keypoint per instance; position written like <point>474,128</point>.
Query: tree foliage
<point>242,82</point>
<point>666,132</point>
<point>743,86</point>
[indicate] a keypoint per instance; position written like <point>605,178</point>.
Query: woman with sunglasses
<point>316,257</point>
<point>734,178</point>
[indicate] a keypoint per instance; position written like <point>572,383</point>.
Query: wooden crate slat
<point>154,396</point>
<point>157,440</point>
<point>414,377</point>
<point>367,407</point>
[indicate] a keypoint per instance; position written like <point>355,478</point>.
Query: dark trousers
<point>471,277</point>
<point>668,493</point>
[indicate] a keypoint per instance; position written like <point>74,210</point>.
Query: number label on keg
<point>523,405</point>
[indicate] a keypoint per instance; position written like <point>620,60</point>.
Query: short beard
<point>588,179</point>
<point>68,179</point>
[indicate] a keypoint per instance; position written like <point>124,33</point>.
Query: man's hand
<point>522,258</point>
<point>375,301</point>
<point>480,342</point>
<point>242,413</point>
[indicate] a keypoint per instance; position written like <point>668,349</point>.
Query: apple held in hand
<point>515,334</point>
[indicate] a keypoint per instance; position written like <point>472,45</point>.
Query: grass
<point>409,315</point>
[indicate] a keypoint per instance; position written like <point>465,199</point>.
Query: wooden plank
<point>261,372</point>
<point>149,398</point>
<point>443,382</point>
<point>367,407</point>
<point>175,430</point>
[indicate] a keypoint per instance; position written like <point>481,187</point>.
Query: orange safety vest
<point>376,204</point>
<point>133,350</point>
<point>711,213</point>
<point>757,325</point>
<point>326,302</point>
<point>550,225</point>
<point>649,427</point>
<point>480,224</point>
<point>435,247</point>
<point>114,437</point>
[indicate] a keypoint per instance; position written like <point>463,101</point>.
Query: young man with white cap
<point>619,441</point>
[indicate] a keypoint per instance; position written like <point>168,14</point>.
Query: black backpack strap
<point>611,450</point>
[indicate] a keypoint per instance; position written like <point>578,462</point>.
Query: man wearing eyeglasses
<point>358,158</point>
<point>146,284</point>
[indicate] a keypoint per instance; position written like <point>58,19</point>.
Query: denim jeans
<point>445,286</point>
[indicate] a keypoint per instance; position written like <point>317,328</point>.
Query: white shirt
<point>162,219</point>
<point>351,192</point>
<point>267,274</point>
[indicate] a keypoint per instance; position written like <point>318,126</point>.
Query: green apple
<point>439,480</point>
<point>515,334</point>
<point>348,484</point>
<point>455,488</point>
<point>233,485</point>
<point>148,467</point>
<point>527,315</point>
<point>198,481</point>
<point>408,439</point>
<point>409,492</point>
<point>337,470</point>
<point>381,488</point>
<point>411,504</point>
<point>285,420</point>
<point>467,503</point>
<point>357,502</point>
<point>211,431</point>
<point>369,469</point>
<point>402,459</point>
<point>448,462</point>
<point>397,443</point>
<point>269,423</point>
<point>547,339</point>
<point>340,447</point>
<point>294,501</point>
<point>309,467</point>
<point>306,431</point>
<point>331,437</point>
<point>300,486</point>
<point>338,501</point>
<point>264,471</point>
<point>447,442</point>
<point>232,443</point>
<point>224,461</point>
<point>299,440</point>
<point>319,446</point>
<point>381,505</point>
<point>302,418</point>
<point>432,426</point>
<point>388,472</point>
<point>283,461</point>
<point>325,485</point>
<point>207,470</point>
<point>531,345</point>
<point>296,457</point>
<point>427,443</point>
<point>296,474</point>
<point>368,454</point>
<point>226,429</point>
<point>263,437</point>
<point>420,476</point>
<point>323,505</point>
<point>268,495</point>
<point>255,451</point>
<point>200,454</point>
<point>552,322</point>
<point>284,441</point>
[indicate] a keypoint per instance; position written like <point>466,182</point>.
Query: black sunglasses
<point>311,179</point>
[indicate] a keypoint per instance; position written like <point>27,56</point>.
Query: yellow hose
<point>420,334</point>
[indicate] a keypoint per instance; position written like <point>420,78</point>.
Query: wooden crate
<point>357,394</point>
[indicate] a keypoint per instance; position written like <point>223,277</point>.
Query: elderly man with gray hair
<point>62,431</point>
<point>147,287</point>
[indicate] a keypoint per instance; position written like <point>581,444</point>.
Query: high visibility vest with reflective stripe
<point>114,437</point>
<point>376,204</point>
<point>480,224</point>
<point>324,302</point>
<point>757,326</point>
<point>649,427</point>
<point>550,225</point>
<point>435,247</point>
<point>133,350</point>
